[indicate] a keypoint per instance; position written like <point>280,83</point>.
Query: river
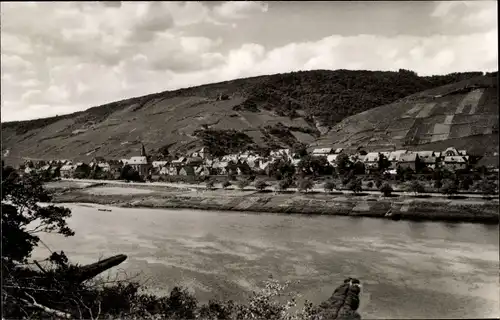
<point>408,269</point>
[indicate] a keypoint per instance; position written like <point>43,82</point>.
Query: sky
<point>63,57</point>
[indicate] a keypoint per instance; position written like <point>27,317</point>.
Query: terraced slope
<point>463,115</point>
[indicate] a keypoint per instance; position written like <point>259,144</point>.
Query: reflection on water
<point>409,269</point>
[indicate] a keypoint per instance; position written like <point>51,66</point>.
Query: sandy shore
<point>402,207</point>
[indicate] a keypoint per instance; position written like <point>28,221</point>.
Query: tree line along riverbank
<point>406,207</point>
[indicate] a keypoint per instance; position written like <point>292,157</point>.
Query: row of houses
<point>200,163</point>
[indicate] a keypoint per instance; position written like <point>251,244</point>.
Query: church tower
<point>143,151</point>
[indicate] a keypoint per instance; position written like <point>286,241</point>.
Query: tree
<point>20,208</point>
<point>96,172</point>
<point>359,168</point>
<point>400,174</point>
<point>383,163</point>
<point>284,184</point>
<point>487,187</point>
<point>260,185</point>
<point>343,163</point>
<point>386,189</point>
<point>314,165</point>
<point>281,168</point>
<point>226,184</point>
<point>299,149</point>
<point>408,174</point>
<point>355,185</point>
<point>347,178</point>
<point>82,171</point>
<point>450,188</point>
<point>416,187</point>
<point>305,185</point>
<point>329,186</point>
<point>438,184</point>
<point>129,174</point>
<point>466,183</point>
<point>242,184</point>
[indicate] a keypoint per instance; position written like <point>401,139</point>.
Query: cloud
<point>239,9</point>
<point>60,58</point>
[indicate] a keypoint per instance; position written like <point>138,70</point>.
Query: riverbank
<point>401,207</point>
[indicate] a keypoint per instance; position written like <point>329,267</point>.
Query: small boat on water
<point>107,210</point>
<point>393,216</point>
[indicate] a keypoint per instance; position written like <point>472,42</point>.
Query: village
<point>201,164</point>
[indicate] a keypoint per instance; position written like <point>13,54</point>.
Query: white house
<point>332,159</point>
<point>322,152</point>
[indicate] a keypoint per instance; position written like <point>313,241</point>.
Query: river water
<point>408,269</point>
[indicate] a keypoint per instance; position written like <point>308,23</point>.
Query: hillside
<point>259,112</point>
<point>463,115</point>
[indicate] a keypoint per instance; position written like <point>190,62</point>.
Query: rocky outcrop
<point>343,304</point>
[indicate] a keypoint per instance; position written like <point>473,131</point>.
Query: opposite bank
<point>404,207</point>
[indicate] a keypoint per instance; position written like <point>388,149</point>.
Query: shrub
<point>486,187</point>
<point>305,185</point>
<point>466,183</point>
<point>210,184</point>
<point>370,184</point>
<point>355,185</point>
<point>329,186</point>
<point>386,189</point>
<point>438,184</point>
<point>450,188</point>
<point>284,184</point>
<point>226,184</point>
<point>260,185</point>
<point>416,187</point>
<point>242,184</point>
<point>378,183</point>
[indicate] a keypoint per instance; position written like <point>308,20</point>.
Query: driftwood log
<point>343,303</point>
<point>91,270</point>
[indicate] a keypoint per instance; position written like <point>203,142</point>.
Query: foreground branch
<point>48,310</point>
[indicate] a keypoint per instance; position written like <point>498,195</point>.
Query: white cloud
<point>78,55</point>
<point>239,9</point>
